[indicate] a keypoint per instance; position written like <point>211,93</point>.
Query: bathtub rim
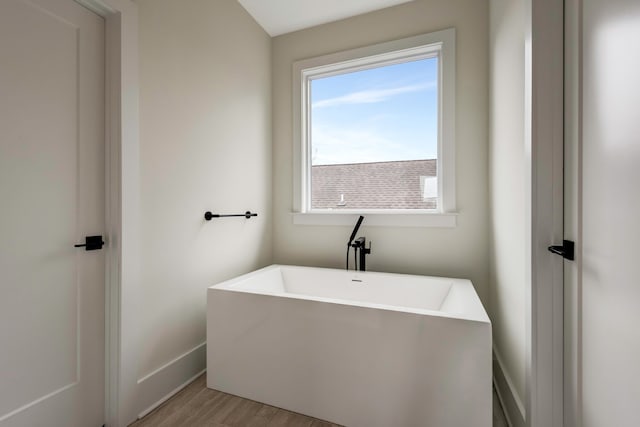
<point>480,316</point>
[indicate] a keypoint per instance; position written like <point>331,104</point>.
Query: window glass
<point>374,132</point>
<point>374,137</point>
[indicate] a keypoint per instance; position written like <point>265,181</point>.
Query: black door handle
<point>91,243</point>
<point>567,250</point>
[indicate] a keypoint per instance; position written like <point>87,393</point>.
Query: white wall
<point>458,252</point>
<point>205,116</point>
<point>507,279</point>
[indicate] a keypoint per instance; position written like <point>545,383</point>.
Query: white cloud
<point>372,95</point>
<point>349,145</point>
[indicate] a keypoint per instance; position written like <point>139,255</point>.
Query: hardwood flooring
<point>198,406</point>
<point>499,419</point>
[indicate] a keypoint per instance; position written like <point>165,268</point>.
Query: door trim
<point>544,134</point>
<point>573,212</point>
<point>122,206</point>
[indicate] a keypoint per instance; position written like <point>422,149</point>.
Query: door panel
<point>611,211</point>
<point>51,196</point>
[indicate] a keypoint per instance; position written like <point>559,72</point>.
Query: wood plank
<point>200,403</point>
<point>198,406</point>
<point>499,419</point>
<point>263,417</point>
<point>237,412</point>
<point>215,412</point>
<point>284,418</point>
<point>173,405</point>
<point>320,423</point>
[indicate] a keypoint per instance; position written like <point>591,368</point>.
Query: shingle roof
<point>381,185</point>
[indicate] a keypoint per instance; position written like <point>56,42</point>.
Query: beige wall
<point>205,109</point>
<point>507,192</point>
<point>458,252</point>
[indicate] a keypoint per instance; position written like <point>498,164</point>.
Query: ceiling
<point>284,16</point>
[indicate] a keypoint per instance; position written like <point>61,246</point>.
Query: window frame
<point>440,44</point>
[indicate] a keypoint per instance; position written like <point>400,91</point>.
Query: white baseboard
<point>509,399</point>
<point>160,385</point>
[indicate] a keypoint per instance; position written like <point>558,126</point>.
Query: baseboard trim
<point>169,395</point>
<point>160,385</point>
<point>509,399</point>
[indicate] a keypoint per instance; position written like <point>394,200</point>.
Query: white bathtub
<point>357,349</point>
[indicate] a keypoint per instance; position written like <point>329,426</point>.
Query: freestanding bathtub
<point>360,349</point>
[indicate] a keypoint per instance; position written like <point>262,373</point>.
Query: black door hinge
<point>567,250</point>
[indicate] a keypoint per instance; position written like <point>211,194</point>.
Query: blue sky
<point>382,114</point>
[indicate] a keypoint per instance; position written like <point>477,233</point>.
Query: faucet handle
<point>359,243</point>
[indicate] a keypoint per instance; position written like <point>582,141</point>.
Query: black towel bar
<point>208,215</point>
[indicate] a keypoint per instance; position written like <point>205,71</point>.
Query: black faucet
<point>358,246</point>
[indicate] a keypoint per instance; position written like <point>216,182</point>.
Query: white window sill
<point>378,219</point>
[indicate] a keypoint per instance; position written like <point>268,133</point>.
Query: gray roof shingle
<point>380,185</point>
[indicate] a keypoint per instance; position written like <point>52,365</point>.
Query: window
<point>373,130</point>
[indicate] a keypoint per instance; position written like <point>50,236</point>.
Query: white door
<point>51,197</point>
<point>610,300</point>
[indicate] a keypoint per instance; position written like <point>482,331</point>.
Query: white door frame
<point>573,212</point>
<point>122,205</point>
<point>544,129</point>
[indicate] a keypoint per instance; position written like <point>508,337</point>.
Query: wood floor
<point>198,406</point>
